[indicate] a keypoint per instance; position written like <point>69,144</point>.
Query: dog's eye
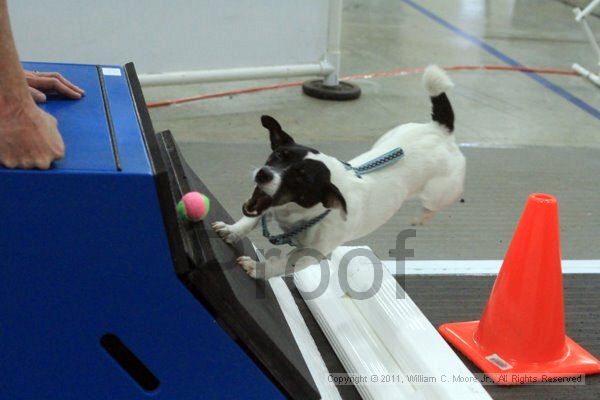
<point>282,155</point>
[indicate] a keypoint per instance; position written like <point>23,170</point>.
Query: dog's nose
<point>263,175</point>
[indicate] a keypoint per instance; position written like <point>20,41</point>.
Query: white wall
<point>177,35</point>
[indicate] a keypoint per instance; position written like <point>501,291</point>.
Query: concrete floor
<point>518,135</point>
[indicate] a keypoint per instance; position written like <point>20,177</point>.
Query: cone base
<point>577,361</point>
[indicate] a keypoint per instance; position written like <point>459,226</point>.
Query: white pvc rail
<point>580,17</point>
<point>384,334</point>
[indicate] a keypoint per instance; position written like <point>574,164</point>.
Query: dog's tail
<point>437,82</point>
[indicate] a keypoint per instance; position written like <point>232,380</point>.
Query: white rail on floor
<point>378,332</point>
<point>306,344</point>
<point>476,267</point>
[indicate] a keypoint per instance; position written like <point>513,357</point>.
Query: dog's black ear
<point>333,198</point>
<point>278,136</point>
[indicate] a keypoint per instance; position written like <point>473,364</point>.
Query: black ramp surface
<point>462,298</point>
<point>247,309</point>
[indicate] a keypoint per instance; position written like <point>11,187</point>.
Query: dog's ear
<point>278,136</point>
<point>333,198</point>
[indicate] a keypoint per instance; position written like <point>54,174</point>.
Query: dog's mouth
<point>257,204</point>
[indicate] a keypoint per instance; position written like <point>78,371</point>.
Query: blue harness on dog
<point>371,166</point>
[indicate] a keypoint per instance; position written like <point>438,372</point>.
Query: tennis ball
<point>193,206</point>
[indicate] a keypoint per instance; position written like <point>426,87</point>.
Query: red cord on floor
<point>361,76</point>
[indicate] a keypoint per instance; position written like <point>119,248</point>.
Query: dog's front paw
<point>424,217</point>
<point>226,232</point>
<point>248,264</point>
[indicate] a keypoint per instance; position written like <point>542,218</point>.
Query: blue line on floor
<point>510,61</point>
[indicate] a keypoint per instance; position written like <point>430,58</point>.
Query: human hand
<point>29,137</point>
<point>40,82</point>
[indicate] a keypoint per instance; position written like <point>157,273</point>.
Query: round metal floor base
<point>341,92</point>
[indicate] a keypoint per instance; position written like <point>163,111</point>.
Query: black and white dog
<point>298,184</point>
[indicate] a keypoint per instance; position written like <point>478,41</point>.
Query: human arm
<point>29,137</point>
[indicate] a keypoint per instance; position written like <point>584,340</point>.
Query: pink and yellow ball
<point>193,206</point>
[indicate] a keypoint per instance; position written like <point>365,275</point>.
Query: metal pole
<point>580,17</point>
<point>334,37</point>
<point>587,10</point>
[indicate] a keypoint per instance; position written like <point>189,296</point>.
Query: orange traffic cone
<point>521,335</point>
